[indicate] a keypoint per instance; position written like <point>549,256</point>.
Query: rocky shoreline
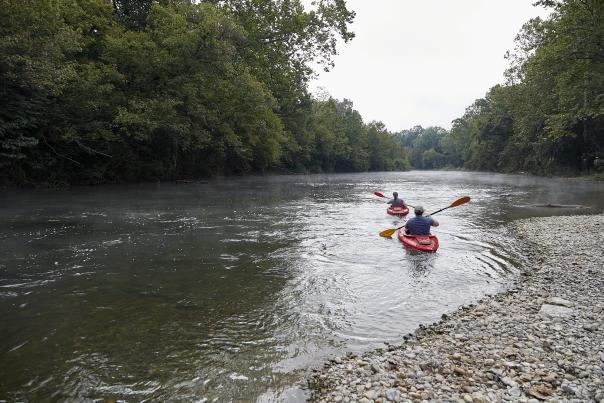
<point>543,340</point>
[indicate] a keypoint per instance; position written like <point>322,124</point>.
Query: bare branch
<point>91,150</point>
<point>59,154</point>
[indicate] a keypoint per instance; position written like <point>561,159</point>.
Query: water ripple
<point>165,292</point>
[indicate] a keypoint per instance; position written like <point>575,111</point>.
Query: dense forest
<point>95,91</point>
<point>548,118</point>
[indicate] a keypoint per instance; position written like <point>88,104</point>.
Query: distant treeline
<point>549,116</point>
<point>95,91</point>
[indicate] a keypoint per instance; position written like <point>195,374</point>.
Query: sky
<point>422,62</point>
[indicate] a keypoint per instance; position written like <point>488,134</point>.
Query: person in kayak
<point>396,202</point>
<point>420,225</point>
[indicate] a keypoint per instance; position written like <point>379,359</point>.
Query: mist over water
<point>231,290</point>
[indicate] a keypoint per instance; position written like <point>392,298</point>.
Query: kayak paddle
<point>456,203</point>
<point>387,233</point>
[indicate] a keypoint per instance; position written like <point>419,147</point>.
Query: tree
<point>96,91</point>
<point>549,116</point>
<point>565,61</point>
<point>39,41</point>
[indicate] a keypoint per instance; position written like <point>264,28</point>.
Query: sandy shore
<point>541,341</point>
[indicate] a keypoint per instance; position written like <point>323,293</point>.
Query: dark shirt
<point>419,225</point>
<point>397,203</point>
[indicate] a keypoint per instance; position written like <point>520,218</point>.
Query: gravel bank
<point>541,341</point>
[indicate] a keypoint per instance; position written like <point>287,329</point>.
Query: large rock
<point>554,311</point>
<point>559,301</point>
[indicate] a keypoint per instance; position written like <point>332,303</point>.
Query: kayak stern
<point>397,211</point>
<point>423,243</point>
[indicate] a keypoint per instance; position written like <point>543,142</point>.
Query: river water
<point>231,290</point>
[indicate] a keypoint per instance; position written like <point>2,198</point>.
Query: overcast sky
<point>424,61</point>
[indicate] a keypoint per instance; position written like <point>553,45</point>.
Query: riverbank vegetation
<point>548,118</point>
<point>99,91</point>
<point>95,91</point>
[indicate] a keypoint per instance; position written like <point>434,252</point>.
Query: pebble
<point>540,341</point>
<point>393,395</point>
<point>459,371</point>
<point>508,381</point>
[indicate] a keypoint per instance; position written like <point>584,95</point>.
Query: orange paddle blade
<point>456,203</point>
<point>387,233</point>
<point>378,194</point>
<point>459,202</point>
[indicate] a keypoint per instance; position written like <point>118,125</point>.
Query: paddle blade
<point>378,194</point>
<point>456,203</point>
<point>387,233</point>
<point>459,202</point>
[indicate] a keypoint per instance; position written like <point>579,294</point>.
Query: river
<point>231,290</point>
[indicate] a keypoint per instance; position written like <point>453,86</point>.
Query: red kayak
<point>423,243</point>
<point>399,211</point>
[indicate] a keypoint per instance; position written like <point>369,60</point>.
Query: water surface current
<point>231,290</point>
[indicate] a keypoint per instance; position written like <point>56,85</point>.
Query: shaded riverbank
<point>540,341</point>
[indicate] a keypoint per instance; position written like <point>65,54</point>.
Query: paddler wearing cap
<point>420,225</point>
<point>396,202</point>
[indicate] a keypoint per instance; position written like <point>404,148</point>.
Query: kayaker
<point>396,202</point>
<point>420,225</point>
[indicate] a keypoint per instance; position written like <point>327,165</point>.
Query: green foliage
<point>344,143</point>
<point>428,148</point>
<point>549,117</point>
<point>385,153</point>
<point>96,91</point>
<point>39,45</point>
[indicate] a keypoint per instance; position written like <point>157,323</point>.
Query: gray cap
<point>419,210</point>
